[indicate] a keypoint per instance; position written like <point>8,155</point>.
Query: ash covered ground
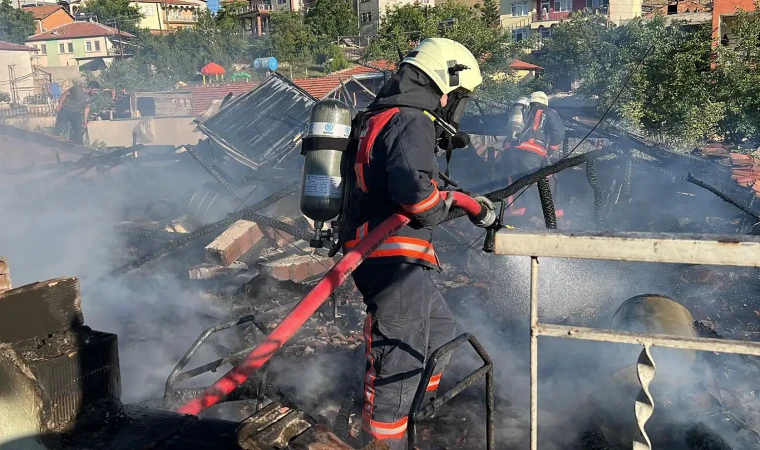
<point>65,224</point>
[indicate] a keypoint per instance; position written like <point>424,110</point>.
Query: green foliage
<point>291,39</point>
<point>336,60</point>
<point>329,19</point>
<point>5,97</point>
<point>490,14</point>
<point>115,13</point>
<point>736,79</point>
<point>671,93</point>
<point>16,25</point>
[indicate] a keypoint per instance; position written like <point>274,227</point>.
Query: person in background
<point>74,109</point>
<point>541,138</point>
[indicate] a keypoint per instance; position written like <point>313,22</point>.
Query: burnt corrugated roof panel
<point>263,125</point>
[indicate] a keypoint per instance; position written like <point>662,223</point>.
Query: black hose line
<point>531,178</point>
<point>547,203</point>
<point>593,180</point>
<point>247,213</point>
<point>132,231</point>
<point>341,426</point>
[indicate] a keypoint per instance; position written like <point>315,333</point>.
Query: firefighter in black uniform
<point>542,136</point>
<point>396,169</point>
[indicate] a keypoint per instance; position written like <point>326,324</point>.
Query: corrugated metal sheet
<point>264,125</point>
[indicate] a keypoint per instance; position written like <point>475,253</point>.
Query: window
<point>97,46</point>
<point>281,2</point>
<point>366,17</point>
<point>563,5</point>
<point>520,9</point>
<point>88,46</point>
<point>594,3</point>
<point>43,47</point>
<point>545,32</point>
<point>70,46</point>
<point>61,48</point>
<point>519,34</point>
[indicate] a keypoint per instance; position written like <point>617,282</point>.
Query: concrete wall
<point>23,66</point>
<point>167,131</point>
<point>624,10</point>
<point>723,8</point>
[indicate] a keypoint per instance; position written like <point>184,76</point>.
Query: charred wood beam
<point>248,213</point>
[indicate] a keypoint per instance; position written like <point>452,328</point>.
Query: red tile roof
<point>522,65</point>
<point>171,2</point>
<point>11,47</point>
<point>41,12</point>
<point>317,87</point>
<point>78,30</point>
<point>203,96</point>
<point>745,168</point>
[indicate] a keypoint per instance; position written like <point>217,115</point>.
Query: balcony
<point>550,16</point>
<point>176,18</point>
<point>253,9</point>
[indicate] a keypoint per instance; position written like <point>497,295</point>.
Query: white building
<point>369,12</point>
<point>16,74</point>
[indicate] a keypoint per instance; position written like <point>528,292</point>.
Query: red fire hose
<point>308,305</point>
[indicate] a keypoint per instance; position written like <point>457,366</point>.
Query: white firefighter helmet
<point>448,64</point>
<point>540,98</point>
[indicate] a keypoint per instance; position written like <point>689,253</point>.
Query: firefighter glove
<point>487,216</point>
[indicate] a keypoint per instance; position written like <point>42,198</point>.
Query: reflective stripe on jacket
<point>395,170</point>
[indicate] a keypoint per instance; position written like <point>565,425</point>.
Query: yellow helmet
<point>448,64</point>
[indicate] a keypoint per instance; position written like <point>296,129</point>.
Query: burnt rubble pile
<point>221,219</point>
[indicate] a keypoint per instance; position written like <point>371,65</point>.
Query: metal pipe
<point>534,353</point>
<point>650,339</point>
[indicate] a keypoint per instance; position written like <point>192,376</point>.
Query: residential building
<point>723,13</point>
<point>370,12</point>
<point>528,17</point>
<point>88,45</point>
<point>47,17</point>
<point>16,73</point>
<point>254,14</point>
<point>162,16</point>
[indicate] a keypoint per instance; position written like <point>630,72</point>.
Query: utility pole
<point>13,86</point>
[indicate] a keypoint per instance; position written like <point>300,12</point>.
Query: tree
<point>736,80</point>
<point>490,14</point>
<point>668,97</point>
<point>115,13</point>
<point>291,38</point>
<point>16,25</point>
<point>330,19</point>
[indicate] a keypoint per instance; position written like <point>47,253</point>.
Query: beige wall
<point>167,131</point>
<point>624,10</point>
<point>54,57</point>
<point>22,62</point>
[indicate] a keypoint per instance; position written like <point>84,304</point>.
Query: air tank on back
<point>516,117</point>
<point>323,169</point>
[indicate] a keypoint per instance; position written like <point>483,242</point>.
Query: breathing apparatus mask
<point>448,119</point>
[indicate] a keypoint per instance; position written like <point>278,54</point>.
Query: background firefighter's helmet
<point>540,98</point>
<point>438,57</point>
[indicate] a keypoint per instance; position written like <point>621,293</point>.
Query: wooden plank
<point>39,309</point>
<point>724,250</point>
<point>5,276</point>
<point>233,243</point>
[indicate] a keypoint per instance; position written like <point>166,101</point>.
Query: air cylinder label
<point>329,129</point>
<point>323,186</point>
